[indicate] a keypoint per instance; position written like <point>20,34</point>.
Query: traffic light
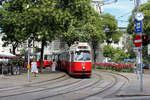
<point>144,40</point>
<point>29,42</point>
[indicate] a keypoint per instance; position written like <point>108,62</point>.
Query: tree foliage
<point>84,24</point>
<point>12,23</point>
<point>37,19</point>
<point>111,28</point>
<point>116,54</point>
<point>43,20</point>
<point>108,51</point>
<point>120,55</point>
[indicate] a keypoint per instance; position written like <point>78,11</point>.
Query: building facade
<point>98,6</point>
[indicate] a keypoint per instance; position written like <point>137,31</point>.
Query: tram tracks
<point>86,87</point>
<point>110,90</point>
<point>110,84</point>
<point>31,89</point>
<point>85,91</point>
<point>72,84</point>
<point>73,90</point>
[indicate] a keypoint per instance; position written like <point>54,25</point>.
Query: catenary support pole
<point>141,61</point>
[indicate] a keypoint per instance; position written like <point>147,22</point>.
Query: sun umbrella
<point>6,55</point>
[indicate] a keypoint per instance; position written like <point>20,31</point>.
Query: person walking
<point>34,68</point>
<point>53,65</point>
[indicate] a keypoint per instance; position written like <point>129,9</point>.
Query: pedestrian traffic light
<point>29,42</point>
<point>144,40</point>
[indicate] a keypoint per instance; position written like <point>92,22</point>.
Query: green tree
<point>120,55</point>
<point>37,19</point>
<point>42,21</point>
<point>111,29</point>
<point>11,23</point>
<point>108,51</point>
<point>116,54</point>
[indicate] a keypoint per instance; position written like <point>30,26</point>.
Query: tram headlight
<point>83,67</point>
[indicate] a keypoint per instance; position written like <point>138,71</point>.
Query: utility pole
<point>137,5</point>
<point>29,67</point>
<point>138,22</point>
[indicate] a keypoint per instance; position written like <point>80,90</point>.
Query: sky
<point>122,10</point>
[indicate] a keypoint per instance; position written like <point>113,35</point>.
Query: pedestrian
<point>53,65</point>
<point>34,68</point>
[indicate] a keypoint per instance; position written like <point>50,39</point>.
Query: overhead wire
<point>114,1</point>
<point>130,12</point>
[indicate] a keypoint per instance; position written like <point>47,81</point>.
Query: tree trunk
<point>42,52</point>
<point>14,50</point>
<point>94,52</point>
<point>94,47</point>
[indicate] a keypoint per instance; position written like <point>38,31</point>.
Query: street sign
<point>138,40</point>
<point>138,26</point>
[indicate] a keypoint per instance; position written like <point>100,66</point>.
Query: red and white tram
<point>77,60</point>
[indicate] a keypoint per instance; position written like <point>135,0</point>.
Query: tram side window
<point>66,56</point>
<point>45,57</point>
<point>72,56</point>
<point>48,57</point>
<point>37,57</point>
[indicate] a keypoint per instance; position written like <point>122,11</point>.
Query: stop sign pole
<point>138,43</point>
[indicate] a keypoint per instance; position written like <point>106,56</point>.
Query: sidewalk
<point>133,87</point>
<point>8,81</point>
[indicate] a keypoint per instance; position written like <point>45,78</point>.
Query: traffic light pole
<point>139,17</point>
<point>141,69</point>
<point>29,67</point>
<point>29,64</point>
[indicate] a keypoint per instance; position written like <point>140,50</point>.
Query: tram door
<point>72,61</point>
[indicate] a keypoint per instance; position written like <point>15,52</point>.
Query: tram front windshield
<point>82,56</point>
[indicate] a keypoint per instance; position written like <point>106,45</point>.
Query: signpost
<point>138,43</point>
<point>138,22</point>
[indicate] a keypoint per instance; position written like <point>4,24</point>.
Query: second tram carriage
<point>77,60</point>
<point>47,60</point>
